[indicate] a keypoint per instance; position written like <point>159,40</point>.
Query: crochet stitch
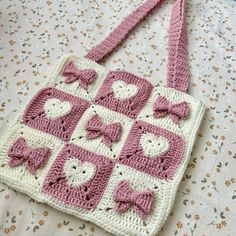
<point>95,128</point>
<point>62,124</point>
<point>124,197</point>
<point>88,192</point>
<point>161,164</point>
<point>130,104</point>
<point>79,136</point>
<point>162,107</point>
<point>107,146</point>
<point>85,77</point>
<point>19,152</point>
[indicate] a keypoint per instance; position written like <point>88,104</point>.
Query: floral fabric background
<point>34,33</point>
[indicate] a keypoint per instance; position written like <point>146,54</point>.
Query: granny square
<point>153,150</point>
<point>100,125</point>
<point>123,92</point>
<point>129,220</point>
<point>71,82</point>
<point>78,177</point>
<point>173,96</point>
<point>55,112</point>
<point>18,138</point>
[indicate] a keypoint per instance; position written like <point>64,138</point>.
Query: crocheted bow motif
<point>19,152</point>
<point>85,76</point>
<point>163,107</point>
<point>110,133</point>
<point>125,197</point>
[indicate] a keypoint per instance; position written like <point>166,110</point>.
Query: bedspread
<point>34,33</point>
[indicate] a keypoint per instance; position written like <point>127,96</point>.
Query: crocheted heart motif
<point>55,108</point>
<point>123,90</point>
<point>153,145</point>
<point>78,173</point>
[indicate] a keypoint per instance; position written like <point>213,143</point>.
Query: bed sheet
<point>33,34</point>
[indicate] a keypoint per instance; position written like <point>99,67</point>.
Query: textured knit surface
<point>115,130</point>
<point>197,195</point>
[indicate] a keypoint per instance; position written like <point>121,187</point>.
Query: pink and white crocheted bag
<point>107,146</point>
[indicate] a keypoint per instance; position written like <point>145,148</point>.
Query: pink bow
<point>125,197</point>
<point>85,77</point>
<point>110,133</point>
<point>19,152</point>
<point>162,107</point>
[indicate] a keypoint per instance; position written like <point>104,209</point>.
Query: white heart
<point>55,108</point>
<point>153,145</point>
<point>123,90</point>
<point>77,172</point>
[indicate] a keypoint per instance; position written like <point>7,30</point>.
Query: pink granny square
<point>124,92</point>
<point>55,112</point>
<point>78,177</point>
<point>153,150</point>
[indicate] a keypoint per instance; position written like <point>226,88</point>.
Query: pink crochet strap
<point>177,70</point>
<point>177,75</point>
<point>121,31</point>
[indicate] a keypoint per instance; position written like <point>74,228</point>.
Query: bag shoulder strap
<point>177,68</point>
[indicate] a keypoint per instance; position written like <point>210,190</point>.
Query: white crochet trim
<point>127,223</point>
<point>123,90</point>
<point>153,145</point>
<point>55,108</point>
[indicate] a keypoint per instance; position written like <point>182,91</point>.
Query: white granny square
<point>129,221</point>
<point>20,175</point>
<point>57,79</point>
<point>96,145</point>
<point>185,126</point>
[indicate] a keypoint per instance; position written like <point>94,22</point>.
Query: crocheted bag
<point>107,146</point>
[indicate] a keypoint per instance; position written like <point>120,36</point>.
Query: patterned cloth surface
<point>33,34</point>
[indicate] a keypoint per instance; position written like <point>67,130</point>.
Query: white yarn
<point>123,90</point>
<point>55,108</point>
<point>153,145</point>
<point>78,173</point>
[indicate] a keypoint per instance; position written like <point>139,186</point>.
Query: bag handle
<point>177,66</point>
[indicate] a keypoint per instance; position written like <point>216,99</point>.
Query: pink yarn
<point>61,127</point>
<point>19,152</point>
<point>110,133</point>
<point>161,165</point>
<point>163,107</point>
<point>86,195</point>
<point>130,106</point>
<point>125,197</point>
<point>121,31</point>
<point>177,72</point>
<point>85,76</point>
